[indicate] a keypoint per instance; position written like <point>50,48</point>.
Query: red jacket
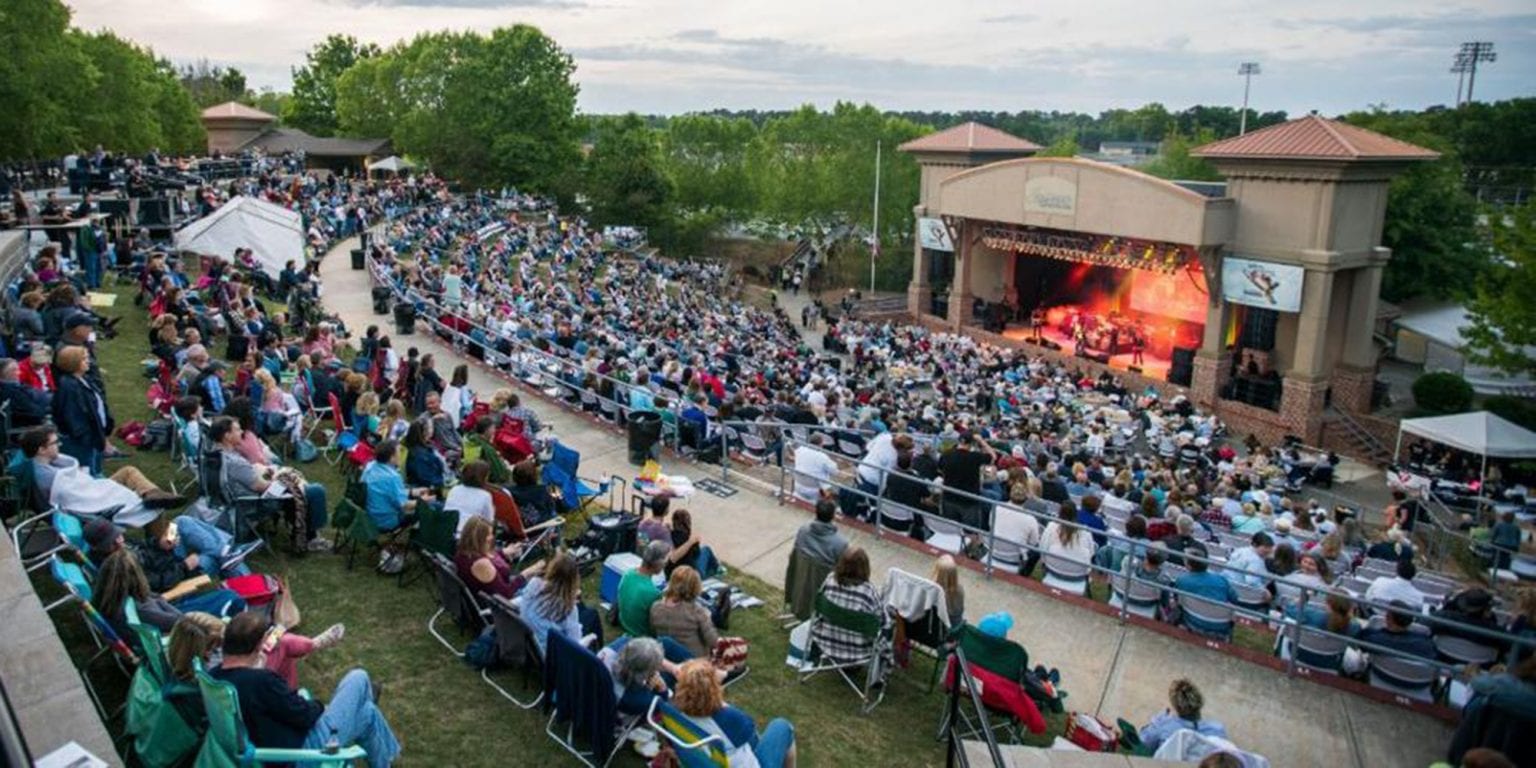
<point>37,377</point>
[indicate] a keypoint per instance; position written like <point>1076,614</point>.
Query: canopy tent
<point>273,233</point>
<point>1477,432</point>
<point>393,164</point>
<point>1431,333</point>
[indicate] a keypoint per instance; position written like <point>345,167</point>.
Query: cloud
<point>481,4</point>
<point>1011,18</point>
<point>1440,25</point>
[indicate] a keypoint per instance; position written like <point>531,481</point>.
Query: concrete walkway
<point>1110,668</point>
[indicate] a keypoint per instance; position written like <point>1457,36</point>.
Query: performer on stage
<point>1138,343</point>
<point>1037,322</point>
<point>1079,334</point>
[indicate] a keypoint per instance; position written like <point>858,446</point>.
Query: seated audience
<point>947,575</point>
<point>678,615</point>
<point>28,406</point>
<point>1185,704</point>
<point>701,699</point>
<point>848,587</point>
<point>819,538</point>
<point>485,568</point>
<point>249,479</point>
<point>552,601</point>
<point>1399,588</point>
<point>79,492</point>
<point>121,577</point>
<point>1397,634</point>
<point>638,590</point>
<point>469,498</point>
<point>276,716</point>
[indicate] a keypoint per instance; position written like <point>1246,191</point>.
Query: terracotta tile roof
<point>235,110</point>
<point>278,140</point>
<point>1315,137</point>
<point>970,137</point>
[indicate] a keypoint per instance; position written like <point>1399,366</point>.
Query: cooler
<point>614,568</point>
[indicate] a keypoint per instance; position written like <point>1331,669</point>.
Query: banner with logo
<point>934,235</point>
<point>1262,284</point>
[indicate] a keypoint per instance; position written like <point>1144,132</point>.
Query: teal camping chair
<point>694,748</point>
<point>165,715</point>
<point>228,745</point>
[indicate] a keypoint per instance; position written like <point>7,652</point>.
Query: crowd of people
<point>936,423</point>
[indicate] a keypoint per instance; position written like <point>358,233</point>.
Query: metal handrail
<point>956,751</point>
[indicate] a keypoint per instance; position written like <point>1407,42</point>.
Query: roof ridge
<point>1328,126</point>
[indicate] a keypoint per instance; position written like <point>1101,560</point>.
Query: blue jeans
<point>222,603</point>
<point>353,718</point>
<point>314,497</point>
<point>206,541</point>
<point>774,742</point>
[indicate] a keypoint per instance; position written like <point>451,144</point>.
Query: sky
<point>671,56</point>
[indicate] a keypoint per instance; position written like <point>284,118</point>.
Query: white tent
<point>1478,432</point>
<point>273,233</point>
<point>393,164</point>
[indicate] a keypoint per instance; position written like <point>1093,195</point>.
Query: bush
<point>1442,392</point>
<point>1517,409</point>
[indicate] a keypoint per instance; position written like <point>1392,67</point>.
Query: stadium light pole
<point>1247,69</point>
<point>1469,55</point>
<point>874,237</point>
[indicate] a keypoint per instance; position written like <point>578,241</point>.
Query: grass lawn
<point>441,710</point>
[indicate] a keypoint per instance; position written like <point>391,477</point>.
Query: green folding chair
<point>227,743</point>
<point>164,720</point>
<point>869,628</point>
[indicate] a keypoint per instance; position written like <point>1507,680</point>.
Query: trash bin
<point>405,318</point>
<point>380,300</point>
<point>357,258</point>
<point>644,433</point>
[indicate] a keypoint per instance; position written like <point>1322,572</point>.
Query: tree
<point>1503,313</point>
<point>488,110</point>
<point>1066,146</point>
<point>1430,224</point>
<point>1174,161</point>
<point>42,74</point>
<point>312,106</point>
<point>210,84</point>
<point>624,182</point>
<point>121,110</point>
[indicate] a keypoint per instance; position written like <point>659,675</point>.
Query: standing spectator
<point>81,410</point>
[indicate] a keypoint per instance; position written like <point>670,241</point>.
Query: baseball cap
<point>100,534</point>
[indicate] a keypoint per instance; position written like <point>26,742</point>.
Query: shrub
<point>1517,409</point>
<point>1442,392</point>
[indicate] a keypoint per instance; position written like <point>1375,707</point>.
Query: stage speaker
<point>1097,355</point>
<point>154,212</point>
<point>1258,329</point>
<point>114,207</point>
<point>1184,356</point>
<point>1134,369</point>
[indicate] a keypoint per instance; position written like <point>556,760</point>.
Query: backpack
<point>157,436</point>
<point>305,451</point>
<point>481,652</point>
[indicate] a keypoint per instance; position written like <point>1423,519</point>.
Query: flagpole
<point>874,240</point>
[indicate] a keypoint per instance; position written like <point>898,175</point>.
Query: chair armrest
<point>343,755</point>
<point>650,718</point>
<point>553,522</point>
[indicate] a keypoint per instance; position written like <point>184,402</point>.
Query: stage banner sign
<point>1050,194</point>
<point>1262,284</point>
<point>934,235</point>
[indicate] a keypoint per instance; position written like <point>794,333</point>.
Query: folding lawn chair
<point>578,691</point>
<point>227,742</point>
<point>164,719</point>
<point>865,632</point>
<point>563,471</point>
<point>454,599</point>
<point>1000,666</point>
<point>515,648</point>
<point>694,747</point>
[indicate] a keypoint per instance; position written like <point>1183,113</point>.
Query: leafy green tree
<point>1066,146</point>
<point>1503,312</point>
<point>210,84</point>
<point>121,110</point>
<point>312,106</point>
<point>488,110</point>
<point>625,183</point>
<point>1430,224</point>
<point>706,157</point>
<point>42,74</point>
<point>1174,161</point>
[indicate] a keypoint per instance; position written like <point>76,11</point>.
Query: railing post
<point>1295,630</point>
<point>725,457</point>
<point>783,470</point>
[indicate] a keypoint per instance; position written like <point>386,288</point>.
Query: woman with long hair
<point>457,399</point>
<point>848,587</point>
<point>121,577</point>
<point>947,575</point>
<point>424,466</point>
<point>484,567</point>
<point>552,601</point>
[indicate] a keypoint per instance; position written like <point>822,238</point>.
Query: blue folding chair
<point>562,471</point>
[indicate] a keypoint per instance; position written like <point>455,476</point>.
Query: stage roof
<point>1314,137</point>
<point>970,137</point>
<point>234,110</point>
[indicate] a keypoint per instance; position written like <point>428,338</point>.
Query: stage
<point>1153,365</point>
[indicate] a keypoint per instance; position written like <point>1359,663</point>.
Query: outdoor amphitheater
<point>330,449</point>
